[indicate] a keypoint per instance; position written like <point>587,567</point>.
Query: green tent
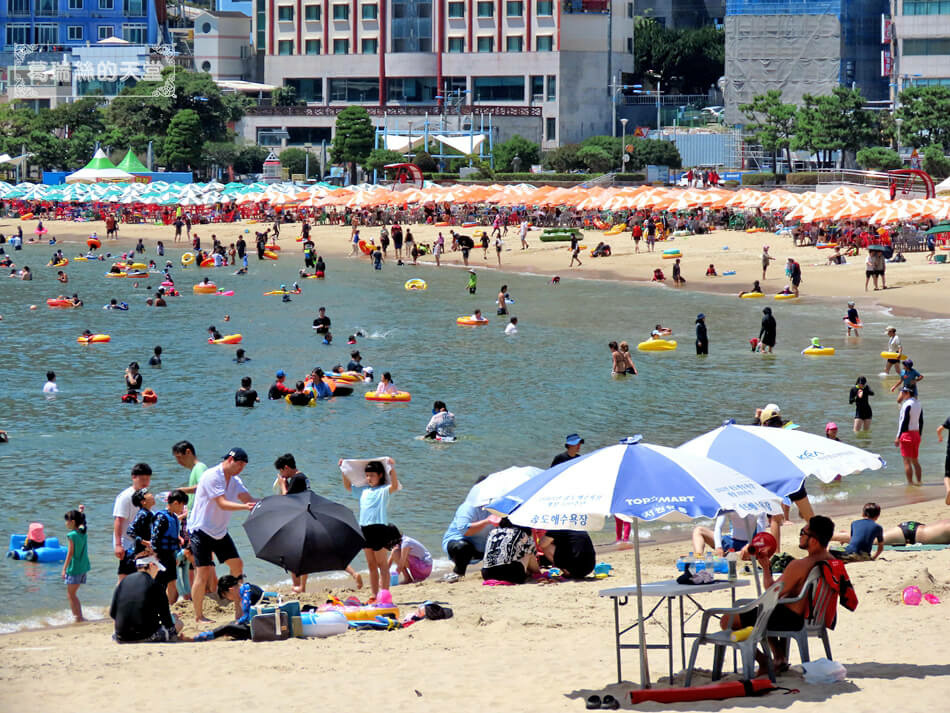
<point>131,164</point>
<point>942,228</point>
<point>99,161</point>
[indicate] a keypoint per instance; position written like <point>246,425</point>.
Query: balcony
<point>412,110</point>
<point>591,7</point>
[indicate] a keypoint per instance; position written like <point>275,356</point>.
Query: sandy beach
<point>535,647</point>
<point>914,288</point>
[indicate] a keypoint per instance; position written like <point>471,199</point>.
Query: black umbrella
<point>877,248</point>
<point>304,533</point>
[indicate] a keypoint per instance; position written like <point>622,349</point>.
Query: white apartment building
<point>222,45</point>
<point>921,42</point>
<point>541,68</point>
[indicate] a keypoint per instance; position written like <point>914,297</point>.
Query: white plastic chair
<point>821,598</point>
<point>722,640</point>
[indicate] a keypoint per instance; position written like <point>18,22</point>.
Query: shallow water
<point>514,397</point>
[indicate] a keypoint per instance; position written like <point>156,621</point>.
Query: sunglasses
<point>804,533</point>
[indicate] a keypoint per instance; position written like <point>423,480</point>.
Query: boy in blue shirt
<point>864,534</point>
<point>909,377</point>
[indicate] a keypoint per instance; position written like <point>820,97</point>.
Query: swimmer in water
<point>213,331</point>
<point>659,332</point>
<point>756,288</point>
<point>61,276</point>
<point>852,318</point>
<point>815,344</point>
<point>227,318</point>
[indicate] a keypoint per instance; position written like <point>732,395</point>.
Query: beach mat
<point>914,548</point>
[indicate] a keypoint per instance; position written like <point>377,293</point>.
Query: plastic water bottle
<point>708,562</point>
<point>731,560</point>
<point>680,562</point>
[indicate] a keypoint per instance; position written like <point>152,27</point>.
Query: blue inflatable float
<point>52,551</point>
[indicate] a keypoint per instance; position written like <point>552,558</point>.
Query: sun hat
<point>573,440</point>
<point>831,426</point>
<point>146,561</point>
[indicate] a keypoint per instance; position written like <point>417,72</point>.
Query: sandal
<point>593,703</point>
<point>610,703</point>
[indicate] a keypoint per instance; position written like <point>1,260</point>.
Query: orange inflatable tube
<point>94,339</point>
<point>227,339</point>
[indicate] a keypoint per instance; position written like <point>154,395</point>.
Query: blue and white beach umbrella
<point>635,481</point>
<point>780,458</point>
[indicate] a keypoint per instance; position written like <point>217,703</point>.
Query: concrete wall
<point>222,43</point>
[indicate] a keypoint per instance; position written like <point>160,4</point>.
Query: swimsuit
<point>909,530</point>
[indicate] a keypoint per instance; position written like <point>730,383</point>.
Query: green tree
<point>878,158</point>
<point>528,151</point>
<point>220,153</point>
<point>425,162</point>
<point>935,163</point>
<point>687,60</point>
<point>772,124</point>
<point>381,157</point>
<point>183,141</point>
<point>835,122</point>
<point>353,138</point>
<point>294,160</point>
<point>284,96</point>
<point>595,158</point>
<point>563,159</point>
<point>250,159</point>
<point>925,113</point>
<point>611,145</point>
<point>652,152</point>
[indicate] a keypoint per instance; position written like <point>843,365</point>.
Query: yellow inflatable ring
<point>469,321</point>
<point>205,289</point>
<point>416,284</point>
<point>781,296</point>
<point>893,355</point>
<point>187,259</point>
<point>94,339</point>
<point>387,398</point>
<point>227,339</point>
<point>816,351</point>
<point>657,345</point>
<point>751,295</point>
<point>347,377</point>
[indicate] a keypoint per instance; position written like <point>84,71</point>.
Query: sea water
<point>514,397</point>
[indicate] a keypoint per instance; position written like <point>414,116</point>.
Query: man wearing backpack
<point>814,539</point>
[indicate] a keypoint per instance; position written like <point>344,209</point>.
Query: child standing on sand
<point>380,536</point>
<point>77,559</point>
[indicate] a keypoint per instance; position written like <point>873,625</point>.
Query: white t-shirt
<point>125,509</point>
<point>894,344</point>
<point>416,549</point>
<point>205,513</point>
<point>50,387</point>
<point>511,328</point>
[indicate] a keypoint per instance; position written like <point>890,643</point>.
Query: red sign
<point>641,131</point>
<point>887,63</point>
<point>886,30</point>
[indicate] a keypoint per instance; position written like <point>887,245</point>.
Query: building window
<point>930,46</point>
<point>498,88</point>
<point>285,47</point>
<point>74,33</point>
<point>341,46</point>
<point>370,12</point>
<point>545,43</point>
<point>45,33</point>
<point>927,7</point>
<point>134,33</point>
<point>411,90</point>
<point>18,34</point>
<point>354,90</point>
<point>206,66</point>
<point>929,82</point>
<point>18,7</point>
<point>312,46</point>
<point>629,9</point>
<point>341,12</point>
<point>311,13</point>
<point>456,44</point>
<point>369,46</point>
<point>514,8</point>
<point>486,9</point>
<point>514,44</point>
<point>545,8</point>
<point>75,4</point>
<point>537,87</point>
<point>456,9</point>
<point>550,129</point>
<point>308,89</point>
<point>285,13</point>
<point>486,44</point>
<point>106,4</point>
<point>629,45</point>
<point>105,31</point>
<point>45,8</point>
<point>552,88</point>
<point>411,25</point>
<point>134,8</point>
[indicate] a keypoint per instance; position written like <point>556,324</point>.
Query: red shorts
<point>910,444</point>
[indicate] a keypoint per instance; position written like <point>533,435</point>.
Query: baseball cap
<point>770,411</point>
<point>890,329</point>
<point>908,362</point>
<point>851,303</point>
<point>355,353</point>
<point>831,426</point>
<point>146,561</point>
<point>280,374</point>
<point>237,454</point>
<point>701,315</point>
<point>573,440</point>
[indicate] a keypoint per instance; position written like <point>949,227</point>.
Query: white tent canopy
<point>464,144</point>
<point>99,170</point>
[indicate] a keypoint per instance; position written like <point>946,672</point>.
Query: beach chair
<point>821,598</point>
<point>722,640</point>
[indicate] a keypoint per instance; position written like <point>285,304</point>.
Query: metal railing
<point>404,110</point>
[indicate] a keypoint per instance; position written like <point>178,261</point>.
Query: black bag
<point>270,627</point>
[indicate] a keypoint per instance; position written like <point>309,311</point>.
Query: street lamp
<point>306,166</point>
<point>899,121</point>
<point>409,147</point>
<point>623,145</point>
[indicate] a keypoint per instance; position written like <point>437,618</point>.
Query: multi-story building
<point>921,43</point>
<point>679,14</point>
<point>802,47</point>
<point>57,25</point>
<point>222,45</point>
<point>541,68</point>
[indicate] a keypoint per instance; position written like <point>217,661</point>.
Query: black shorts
<point>799,494</point>
<point>381,537</point>
<point>513,572</point>
<point>465,252</point>
<point>171,570</point>
<point>127,565</point>
<point>782,619</point>
<point>203,546</point>
<point>869,273</point>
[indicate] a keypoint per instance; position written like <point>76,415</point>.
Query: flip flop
<point>593,703</point>
<point>610,703</point>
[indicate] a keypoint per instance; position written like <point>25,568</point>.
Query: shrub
<point>757,179</point>
<point>935,163</point>
<point>878,158</point>
<point>802,178</point>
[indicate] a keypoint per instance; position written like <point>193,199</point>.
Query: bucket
<point>940,258</point>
